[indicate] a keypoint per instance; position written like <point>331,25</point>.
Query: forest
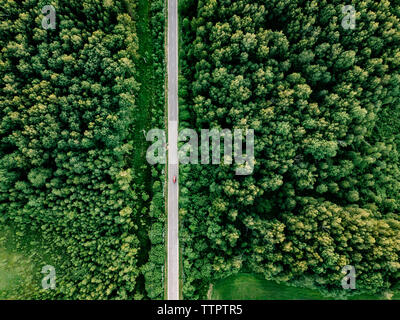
<point>324,102</point>
<point>76,192</point>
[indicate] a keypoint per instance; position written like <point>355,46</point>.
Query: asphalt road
<point>173,166</point>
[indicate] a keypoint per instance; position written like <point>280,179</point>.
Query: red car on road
<point>174,179</point>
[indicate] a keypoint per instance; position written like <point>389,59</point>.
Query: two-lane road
<point>173,166</point>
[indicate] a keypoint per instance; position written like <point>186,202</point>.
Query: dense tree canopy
<point>324,104</point>
<point>68,172</point>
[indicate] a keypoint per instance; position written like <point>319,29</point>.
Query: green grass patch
<point>246,286</point>
<point>16,276</point>
<point>17,270</point>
